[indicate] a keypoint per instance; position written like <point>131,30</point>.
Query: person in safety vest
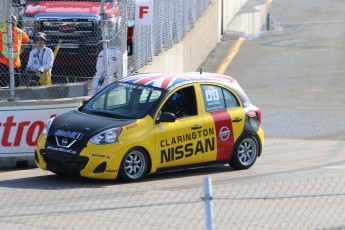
<point>40,59</point>
<point>19,37</point>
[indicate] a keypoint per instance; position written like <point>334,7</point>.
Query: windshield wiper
<point>113,115</point>
<point>101,113</point>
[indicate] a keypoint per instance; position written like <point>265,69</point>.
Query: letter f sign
<point>143,12</point>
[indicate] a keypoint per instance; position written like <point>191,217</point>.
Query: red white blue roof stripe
<point>165,80</point>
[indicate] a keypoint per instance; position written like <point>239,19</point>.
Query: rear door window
<point>217,98</point>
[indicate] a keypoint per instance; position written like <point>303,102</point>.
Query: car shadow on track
<point>55,182</point>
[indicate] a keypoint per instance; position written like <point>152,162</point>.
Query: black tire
<point>134,165</point>
<point>245,152</point>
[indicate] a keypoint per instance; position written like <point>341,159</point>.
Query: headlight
<point>106,137</point>
<point>28,26</point>
<point>47,126</point>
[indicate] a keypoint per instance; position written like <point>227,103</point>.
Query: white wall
<point>199,42</point>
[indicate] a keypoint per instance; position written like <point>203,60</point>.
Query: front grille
<point>64,142</point>
<point>70,30</point>
<point>65,163</point>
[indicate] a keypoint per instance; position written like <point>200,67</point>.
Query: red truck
<point>78,24</point>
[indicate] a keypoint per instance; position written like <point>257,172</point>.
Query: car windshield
<point>124,101</point>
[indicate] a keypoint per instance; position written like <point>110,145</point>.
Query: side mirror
<point>166,117</point>
<point>82,105</point>
<point>84,102</point>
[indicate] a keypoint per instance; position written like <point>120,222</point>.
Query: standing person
<point>19,37</point>
<point>99,81</point>
<point>41,59</point>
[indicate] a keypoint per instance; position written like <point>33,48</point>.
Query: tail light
<point>258,112</point>
<point>255,112</point>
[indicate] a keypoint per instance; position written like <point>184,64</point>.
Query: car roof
<point>170,80</point>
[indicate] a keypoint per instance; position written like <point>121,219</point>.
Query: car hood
<point>78,125</point>
<point>67,7</point>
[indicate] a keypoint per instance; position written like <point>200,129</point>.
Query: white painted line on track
<point>336,167</point>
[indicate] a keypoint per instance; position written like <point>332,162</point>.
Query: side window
<point>217,98</point>
<point>182,103</point>
<point>213,98</point>
<point>230,99</point>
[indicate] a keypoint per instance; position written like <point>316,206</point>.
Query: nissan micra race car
<point>153,122</point>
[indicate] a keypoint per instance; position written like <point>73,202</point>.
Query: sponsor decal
<point>139,87</point>
<point>213,100</point>
<point>11,128</point>
<point>98,155</point>
<point>69,134</point>
<point>131,126</point>
<point>182,146</point>
<point>224,133</point>
<point>59,149</point>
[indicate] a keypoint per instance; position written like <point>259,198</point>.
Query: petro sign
<point>20,127</point>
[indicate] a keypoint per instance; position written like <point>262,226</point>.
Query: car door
<point>180,142</point>
<point>225,116</point>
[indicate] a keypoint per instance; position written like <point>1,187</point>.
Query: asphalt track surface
<point>295,73</point>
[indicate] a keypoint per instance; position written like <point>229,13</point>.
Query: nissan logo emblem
<point>64,141</point>
<point>224,133</point>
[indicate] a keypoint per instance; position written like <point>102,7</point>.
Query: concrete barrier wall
<point>251,18</point>
<point>47,92</point>
<point>199,42</point>
<point>231,8</point>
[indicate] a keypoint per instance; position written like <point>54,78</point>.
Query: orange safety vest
<point>18,37</point>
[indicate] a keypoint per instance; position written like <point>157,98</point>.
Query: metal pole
<point>123,36</point>
<point>104,38</point>
<point>10,58</point>
<point>222,18</point>
<point>208,203</point>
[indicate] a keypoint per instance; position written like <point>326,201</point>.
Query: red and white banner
<point>20,127</point>
<point>143,12</point>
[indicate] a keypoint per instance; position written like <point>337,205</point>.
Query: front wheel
<point>245,153</point>
<point>134,165</point>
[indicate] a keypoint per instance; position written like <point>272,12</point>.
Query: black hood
<point>87,125</point>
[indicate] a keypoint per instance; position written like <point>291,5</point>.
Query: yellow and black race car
<point>147,123</point>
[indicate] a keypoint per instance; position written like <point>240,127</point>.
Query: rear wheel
<point>245,153</point>
<point>134,165</point>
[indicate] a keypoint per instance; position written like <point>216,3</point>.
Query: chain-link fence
<point>172,19</point>
<point>77,32</point>
<point>305,203</point>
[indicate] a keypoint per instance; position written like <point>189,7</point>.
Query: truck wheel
<point>134,165</point>
<point>245,153</point>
